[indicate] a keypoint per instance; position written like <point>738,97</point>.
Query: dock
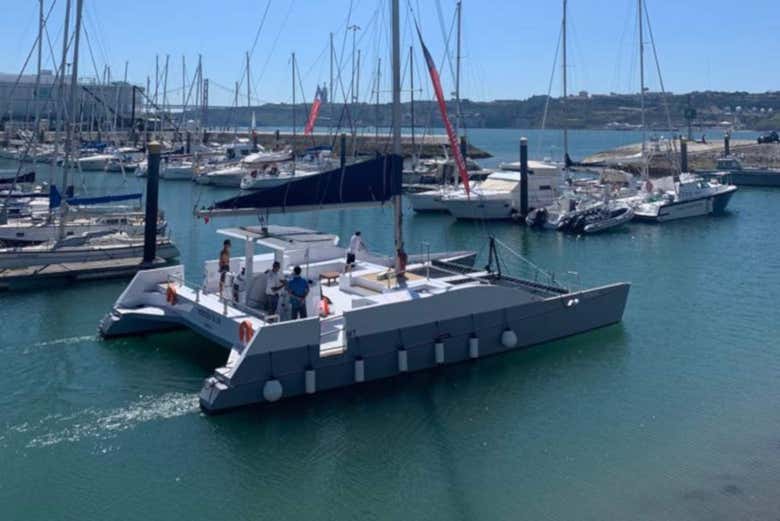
<point>69,272</point>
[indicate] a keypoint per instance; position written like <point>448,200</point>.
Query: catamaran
<point>377,318</point>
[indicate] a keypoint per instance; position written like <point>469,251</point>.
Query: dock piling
<point>683,154</point>
<point>523,177</point>
<point>152,192</point>
<point>727,144</point>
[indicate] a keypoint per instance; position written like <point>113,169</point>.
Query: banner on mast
<point>454,144</point>
<point>313,113</point>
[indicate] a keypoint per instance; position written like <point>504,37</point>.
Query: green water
<point>672,414</point>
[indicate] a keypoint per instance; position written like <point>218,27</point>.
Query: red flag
<point>313,113</point>
<point>454,145</point>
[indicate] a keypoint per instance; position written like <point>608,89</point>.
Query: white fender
<point>403,361</point>
<point>509,339</point>
<point>439,349</point>
<point>474,347</point>
<point>311,381</point>
<point>360,370</point>
<point>272,390</point>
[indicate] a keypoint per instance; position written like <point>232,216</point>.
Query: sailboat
<point>675,197</point>
<point>376,318</point>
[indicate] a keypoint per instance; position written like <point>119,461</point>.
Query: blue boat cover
<point>55,198</point>
<point>373,181</point>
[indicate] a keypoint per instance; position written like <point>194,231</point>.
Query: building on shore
<point>100,104</point>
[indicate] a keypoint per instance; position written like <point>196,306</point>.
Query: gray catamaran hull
<point>387,351</point>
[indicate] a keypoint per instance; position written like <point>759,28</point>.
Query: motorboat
<point>498,196</point>
<point>690,195</point>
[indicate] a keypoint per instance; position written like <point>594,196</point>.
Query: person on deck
<point>273,285</point>
<point>298,288</point>
<point>355,245</point>
<point>224,264</point>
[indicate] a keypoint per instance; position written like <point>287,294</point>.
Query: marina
<point>427,319</point>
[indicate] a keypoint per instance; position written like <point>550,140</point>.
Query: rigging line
<point>26,63</point>
<point>658,68</point>
<point>445,37</point>
<point>259,80</point>
<point>549,90</point>
<point>242,75</point>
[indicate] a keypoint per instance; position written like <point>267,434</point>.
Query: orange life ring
<point>170,295</point>
<point>245,332</point>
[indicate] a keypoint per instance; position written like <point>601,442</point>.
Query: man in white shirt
<point>273,285</point>
<point>355,245</point>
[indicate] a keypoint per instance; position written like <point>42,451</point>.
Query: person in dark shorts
<point>355,245</point>
<point>298,287</point>
<point>224,264</point>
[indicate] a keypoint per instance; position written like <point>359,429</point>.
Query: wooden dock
<point>69,272</point>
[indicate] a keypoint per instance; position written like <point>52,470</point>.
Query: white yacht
<point>498,196</point>
<point>667,199</point>
<point>94,162</point>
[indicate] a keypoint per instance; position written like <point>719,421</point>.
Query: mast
<point>63,69</point>
<point>642,87</point>
<point>411,87</point>
<point>293,111</point>
<point>565,87</point>
<point>248,84</point>
<point>396,60</point>
<point>73,107</point>
<point>376,111</point>
<point>330,85</point>
<point>183,87</point>
<point>458,114</point>
<point>40,57</point>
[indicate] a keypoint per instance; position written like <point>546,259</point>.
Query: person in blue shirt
<point>298,287</point>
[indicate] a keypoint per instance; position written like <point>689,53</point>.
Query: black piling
<point>523,177</point>
<point>683,155</point>
<point>188,146</point>
<point>464,147</point>
<point>152,193</point>
<point>727,144</point>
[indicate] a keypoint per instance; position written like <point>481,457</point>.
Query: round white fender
<point>311,381</point>
<point>474,347</point>
<point>509,339</point>
<point>403,361</point>
<point>439,349</point>
<point>360,370</point>
<point>272,390</point>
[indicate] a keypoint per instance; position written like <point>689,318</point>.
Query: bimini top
<point>370,182</point>
<point>281,237</point>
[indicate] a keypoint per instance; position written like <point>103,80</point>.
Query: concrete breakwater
<point>664,160</point>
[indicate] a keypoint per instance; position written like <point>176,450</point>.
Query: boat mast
<point>411,89</point>
<point>248,85</point>
<point>63,68</point>
<point>293,111</point>
<point>565,88</point>
<point>458,115</point>
<point>396,61</point>
<point>330,84</point>
<point>40,56</point>
<point>376,108</point>
<point>642,87</point>
<point>74,77</point>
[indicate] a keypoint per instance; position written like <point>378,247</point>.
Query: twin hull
<point>380,341</point>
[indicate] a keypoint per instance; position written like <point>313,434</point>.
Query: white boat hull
<point>483,209</point>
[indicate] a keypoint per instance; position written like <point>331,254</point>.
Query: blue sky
<point>508,45</point>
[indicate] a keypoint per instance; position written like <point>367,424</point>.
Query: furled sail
<point>454,145</point>
<point>370,182</point>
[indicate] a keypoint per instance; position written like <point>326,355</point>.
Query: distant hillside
<point>583,111</point>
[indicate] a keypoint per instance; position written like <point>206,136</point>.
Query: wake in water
<point>56,429</point>
<point>28,348</point>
